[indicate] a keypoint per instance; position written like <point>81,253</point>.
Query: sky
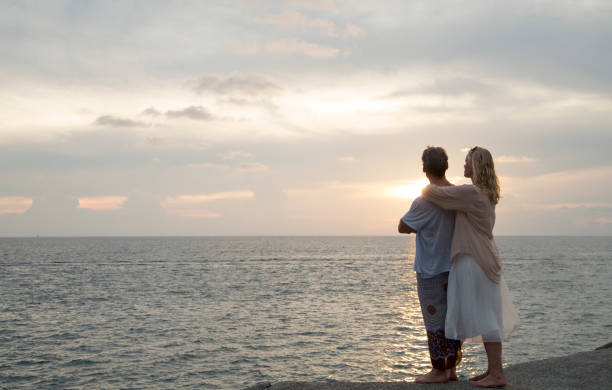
<point>298,117</point>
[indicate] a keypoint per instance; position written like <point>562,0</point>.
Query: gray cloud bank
<point>151,111</point>
<point>553,42</point>
<point>113,121</point>
<point>192,112</point>
<point>236,83</point>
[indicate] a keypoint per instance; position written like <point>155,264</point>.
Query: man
<point>434,230</point>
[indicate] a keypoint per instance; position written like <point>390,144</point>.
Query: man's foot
<point>491,381</point>
<point>433,376</point>
<point>479,377</point>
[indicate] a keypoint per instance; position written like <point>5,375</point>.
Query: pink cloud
<point>294,19</point>
<point>14,204</point>
<point>295,46</point>
<point>102,203</point>
<point>201,198</point>
<point>603,221</point>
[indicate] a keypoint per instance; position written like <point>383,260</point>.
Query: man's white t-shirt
<point>434,228</point>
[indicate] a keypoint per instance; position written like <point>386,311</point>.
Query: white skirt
<point>478,309</point>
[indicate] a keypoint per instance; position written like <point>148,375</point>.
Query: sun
<point>408,191</point>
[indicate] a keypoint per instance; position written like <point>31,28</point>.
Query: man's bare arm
<point>403,228</point>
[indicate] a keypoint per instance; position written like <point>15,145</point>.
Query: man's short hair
<point>435,161</point>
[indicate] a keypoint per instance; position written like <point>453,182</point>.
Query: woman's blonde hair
<point>483,173</point>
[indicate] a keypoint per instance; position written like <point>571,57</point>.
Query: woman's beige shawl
<point>474,223</point>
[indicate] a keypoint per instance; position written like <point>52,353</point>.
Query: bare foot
<point>433,376</point>
<point>491,381</point>
<point>451,374</point>
<point>479,377</point>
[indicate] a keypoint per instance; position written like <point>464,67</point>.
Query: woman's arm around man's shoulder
<point>459,198</point>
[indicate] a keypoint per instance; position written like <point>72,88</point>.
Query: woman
<point>479,304</point>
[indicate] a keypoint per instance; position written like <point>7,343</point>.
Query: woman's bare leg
<point>480,376</point>
<point>434,376</point>
<point>495,374</point>
<point>438,376</point>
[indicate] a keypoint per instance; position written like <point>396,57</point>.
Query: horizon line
<point>279,235</point>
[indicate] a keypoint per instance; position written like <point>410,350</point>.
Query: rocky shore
<point>584,370</point>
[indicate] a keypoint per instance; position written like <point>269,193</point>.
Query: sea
<point>229,312</point>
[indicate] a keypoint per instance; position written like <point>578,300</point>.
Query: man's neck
<point>439,181</point>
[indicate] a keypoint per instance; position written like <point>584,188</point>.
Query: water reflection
<point>406,355</point>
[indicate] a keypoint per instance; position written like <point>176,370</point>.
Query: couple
<point>462,293</point>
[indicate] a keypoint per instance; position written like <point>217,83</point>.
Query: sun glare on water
<point>408,191</point>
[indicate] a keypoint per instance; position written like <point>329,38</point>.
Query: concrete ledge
<point>584,370</point>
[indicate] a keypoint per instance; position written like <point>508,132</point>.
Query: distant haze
<point>298,117</point>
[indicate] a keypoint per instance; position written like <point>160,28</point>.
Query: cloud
<point>14,204</point>
<point>203,198</point>
<point>235,155</point>
<point>346,159</point>
<point>294,19</point>
<point>295,46</point>
<point>316,5</point>
<point>102,203</point>
<point>256,103</point>
<point>151,111</point>
<point>193,112</point>
<point>288,46</point>
<point>201,165</point>
<point>232,165</point>
<point>251,167</point>
<point>602,221</point>
<point>452,86</point>
<point>352,31</point>
<point>247,48</point>
<point>114,121</point>
<point>513,159</point>
<point>237,83</point>
<point>193,213</point>
<point>155,141</point>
